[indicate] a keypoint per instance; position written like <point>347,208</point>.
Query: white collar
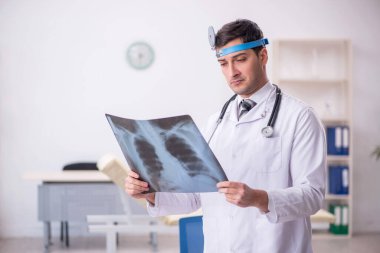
<point>260,95</point>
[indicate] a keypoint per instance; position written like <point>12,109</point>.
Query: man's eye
<point>223,64</point>
<point>241,59</point>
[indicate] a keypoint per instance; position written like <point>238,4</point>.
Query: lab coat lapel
<point>261,109</point>
<point>254,114</point>
<point>232,111</point>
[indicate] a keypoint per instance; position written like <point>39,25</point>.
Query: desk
<point>72,195</point>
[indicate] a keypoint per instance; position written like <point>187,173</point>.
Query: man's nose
<point>234,72</point>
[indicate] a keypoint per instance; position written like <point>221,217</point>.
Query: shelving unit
<point>319,73</point>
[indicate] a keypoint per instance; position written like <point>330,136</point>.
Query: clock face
<point>140,55</point>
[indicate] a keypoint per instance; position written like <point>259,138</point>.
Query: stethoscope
<point>266,131</point>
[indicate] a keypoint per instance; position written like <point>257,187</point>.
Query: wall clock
<point>140,55</point>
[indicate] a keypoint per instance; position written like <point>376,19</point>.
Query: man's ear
<point>263,55</point>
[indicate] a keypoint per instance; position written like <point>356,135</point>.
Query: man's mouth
<point>236,82</point>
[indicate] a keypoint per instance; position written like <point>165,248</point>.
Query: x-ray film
<point>169,153</point>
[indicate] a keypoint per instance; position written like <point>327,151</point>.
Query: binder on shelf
<point>340,226</point>
<point>337,140</point>
<point>344,227</point>
<point>335,227</point>
<point>338,179</point>
<point>345,141</point>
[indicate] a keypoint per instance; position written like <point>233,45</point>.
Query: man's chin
<point>243,92</point>
<point>237,88</point>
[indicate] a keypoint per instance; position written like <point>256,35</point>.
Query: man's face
<point>244,70</point>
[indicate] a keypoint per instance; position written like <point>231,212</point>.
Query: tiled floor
<point>369,243</point>
<point>91,244</point>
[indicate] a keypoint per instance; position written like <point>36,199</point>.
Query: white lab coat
<point>290,166</point>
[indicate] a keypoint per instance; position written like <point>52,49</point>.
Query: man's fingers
<point>228,190</point>
<point>137,188</point>
<point>134,193</point>
<point>134,181</point>
<point>223,184</point>
<point>230,199</point>
<point>133,174</point>
<point>228,184</point>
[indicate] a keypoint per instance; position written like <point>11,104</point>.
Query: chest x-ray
<point>169,153</point>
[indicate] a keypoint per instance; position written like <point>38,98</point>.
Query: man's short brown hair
<point>242,28</point>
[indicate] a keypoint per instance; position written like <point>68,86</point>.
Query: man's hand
<point>136,188</point>
<point>242,195</point>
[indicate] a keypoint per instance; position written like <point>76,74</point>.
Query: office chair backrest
<point>80,166</point>
<point>191,234</point>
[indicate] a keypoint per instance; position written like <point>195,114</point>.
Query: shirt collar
<point>259,95</point>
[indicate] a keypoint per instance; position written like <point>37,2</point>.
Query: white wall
<point>62,66</point>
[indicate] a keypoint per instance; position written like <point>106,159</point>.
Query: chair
<point>191,234</point>
<point>65,224</point>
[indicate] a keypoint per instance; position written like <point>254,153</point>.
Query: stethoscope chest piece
<point>267,131</point>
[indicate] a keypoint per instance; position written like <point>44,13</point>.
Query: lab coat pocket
<point>268,155</point>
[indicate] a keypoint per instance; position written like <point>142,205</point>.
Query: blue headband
<point>233,49</point>
<point>240,47</point>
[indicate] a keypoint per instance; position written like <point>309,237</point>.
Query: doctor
<point>276,179</point>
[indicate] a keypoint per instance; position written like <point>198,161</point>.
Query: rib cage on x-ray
<point>170,153</point>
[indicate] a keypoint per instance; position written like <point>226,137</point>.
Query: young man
<point>276,181</point>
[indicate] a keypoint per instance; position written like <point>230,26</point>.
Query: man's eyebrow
<point>235,56</point>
